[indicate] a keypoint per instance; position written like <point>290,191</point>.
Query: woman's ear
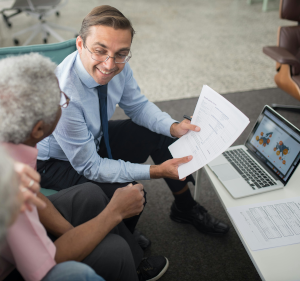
<point>38,130</point>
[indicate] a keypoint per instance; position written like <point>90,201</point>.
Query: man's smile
<point>105,72</point>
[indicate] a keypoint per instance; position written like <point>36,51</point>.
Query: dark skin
<point>76,243</point>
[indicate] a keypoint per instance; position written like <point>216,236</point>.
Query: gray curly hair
<point>9,188</point>
<point>28,93</point>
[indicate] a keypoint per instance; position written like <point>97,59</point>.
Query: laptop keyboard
<point>248,169</point>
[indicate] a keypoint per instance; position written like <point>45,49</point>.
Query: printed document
<point>269,224</point>
<point>221,124</point>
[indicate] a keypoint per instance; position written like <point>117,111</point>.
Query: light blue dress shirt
<point>77,136</point>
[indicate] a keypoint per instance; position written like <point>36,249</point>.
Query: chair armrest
<point>282,56</point>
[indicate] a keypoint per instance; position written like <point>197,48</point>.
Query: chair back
<point>57,52</point>
<point>290,10</point>
<point>289,36</point>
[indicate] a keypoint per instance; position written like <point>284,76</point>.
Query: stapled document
<point>221,124</point>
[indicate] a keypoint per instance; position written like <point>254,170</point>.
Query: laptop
<point>265,162</point>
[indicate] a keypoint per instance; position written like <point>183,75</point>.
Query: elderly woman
<point>85,225</point>
<point>16,198</point>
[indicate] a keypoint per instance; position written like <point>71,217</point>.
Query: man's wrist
<point>113,213</point>
<point>155,172</point>
<point>173,130</point>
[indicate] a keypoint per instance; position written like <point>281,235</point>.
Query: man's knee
<point>92,195</point>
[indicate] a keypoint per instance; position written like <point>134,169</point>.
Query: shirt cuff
<point>142,172</point>
<point>167,127</point>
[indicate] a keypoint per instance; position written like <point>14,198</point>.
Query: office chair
<point>6,17</point>
<point>39,9</point>
<point>287,53</point>
<point>57,52</point>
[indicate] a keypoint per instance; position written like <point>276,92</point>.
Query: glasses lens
<point>98,57</point>
<point>63,100</point>
<point>118,57</point>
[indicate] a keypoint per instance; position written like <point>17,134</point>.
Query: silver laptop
<point>266,162</point>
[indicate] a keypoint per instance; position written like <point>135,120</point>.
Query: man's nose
<point>110,63</point>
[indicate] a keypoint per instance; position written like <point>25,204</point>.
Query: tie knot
<point>102,91</point>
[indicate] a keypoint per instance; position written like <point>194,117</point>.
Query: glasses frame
<point>65,105</point>
<point>128,57</point>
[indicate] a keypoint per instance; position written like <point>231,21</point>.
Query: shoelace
<point>143,268</point>
<point>201,208</point>
<point>204,213</point>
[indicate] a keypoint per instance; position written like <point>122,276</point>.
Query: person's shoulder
<point>67,76</point>
<point>64,69</point>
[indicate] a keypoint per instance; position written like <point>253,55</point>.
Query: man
<point>86,147</point>
<point>86,226</point>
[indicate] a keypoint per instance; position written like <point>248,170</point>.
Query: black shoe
<point>143,241</point>
<point>152,268</point>
<point>200,218</point>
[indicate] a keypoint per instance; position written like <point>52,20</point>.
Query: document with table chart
<point>269,224</point>
<point>221,123</point>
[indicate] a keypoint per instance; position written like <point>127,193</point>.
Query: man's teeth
<point>104,72</point>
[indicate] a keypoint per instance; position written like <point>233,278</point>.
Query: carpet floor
<point>193,255</point>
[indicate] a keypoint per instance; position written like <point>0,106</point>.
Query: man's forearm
<point>80,241</point>
<point>51,218</point>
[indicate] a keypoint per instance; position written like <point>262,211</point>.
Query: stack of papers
<point>221,124</point>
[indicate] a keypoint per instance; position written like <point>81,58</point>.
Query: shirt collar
<point>22,153</point>
<point>84,76</point>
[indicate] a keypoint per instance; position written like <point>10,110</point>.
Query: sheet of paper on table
<point>221,124</point>
<point>269,224</point>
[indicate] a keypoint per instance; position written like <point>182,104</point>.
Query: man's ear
<point>79,44</point>
<point>38,130</point>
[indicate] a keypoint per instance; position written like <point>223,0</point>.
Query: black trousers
<point>118,255</point>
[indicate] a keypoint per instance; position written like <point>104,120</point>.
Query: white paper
<point>221,124</point>
<point>269,224</point>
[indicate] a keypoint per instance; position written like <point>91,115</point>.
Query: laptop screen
<point>276,142</point>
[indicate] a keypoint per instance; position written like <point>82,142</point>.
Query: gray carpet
<point>192,255</point>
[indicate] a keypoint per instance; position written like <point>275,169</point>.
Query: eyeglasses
<point>64,100</point>
<point>118,58</point>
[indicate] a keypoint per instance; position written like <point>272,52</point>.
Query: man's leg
<point>134,143</point>
<point>118,255</point>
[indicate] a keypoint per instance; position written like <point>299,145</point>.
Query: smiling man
<point>87,147</point>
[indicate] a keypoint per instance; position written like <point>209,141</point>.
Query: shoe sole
<point>201,230</point>
<point>161,273</point>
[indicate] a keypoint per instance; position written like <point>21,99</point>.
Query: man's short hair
<point>9,189</point>
<point>107,16</point>
<point>29,93</point>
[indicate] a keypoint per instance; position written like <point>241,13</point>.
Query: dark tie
<point>102,94</point>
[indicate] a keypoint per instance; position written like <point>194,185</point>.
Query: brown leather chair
<point>287,53</point>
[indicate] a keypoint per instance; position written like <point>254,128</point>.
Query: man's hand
<point>179,129</point>
<point>127,201</point>
<point>168,169</point>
